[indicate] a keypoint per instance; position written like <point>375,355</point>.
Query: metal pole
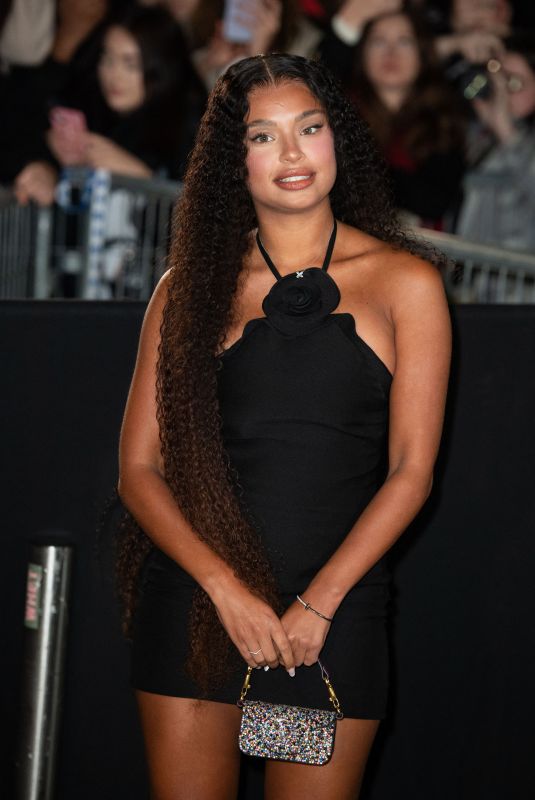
<point>42,254</point>
<point>45,620</point>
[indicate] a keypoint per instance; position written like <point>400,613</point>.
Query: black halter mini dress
<point>304,404</point>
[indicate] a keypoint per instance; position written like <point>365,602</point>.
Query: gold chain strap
<point>246,686</point>
<point>324,675</point>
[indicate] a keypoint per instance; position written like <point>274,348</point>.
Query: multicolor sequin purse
<point>288,733</point>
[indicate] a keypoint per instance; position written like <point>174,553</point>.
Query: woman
<point>413,114</point>
<point>254,450</point>
<point>142,112</point>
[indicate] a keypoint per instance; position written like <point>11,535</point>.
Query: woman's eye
<point>260,137</point>
<point>313,128</point>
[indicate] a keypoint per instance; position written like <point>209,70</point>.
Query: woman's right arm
<point>249,621</point>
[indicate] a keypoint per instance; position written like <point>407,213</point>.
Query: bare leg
<point>192,747</point>
<point>339,779</point>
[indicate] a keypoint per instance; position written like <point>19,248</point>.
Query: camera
<point>473,80</point>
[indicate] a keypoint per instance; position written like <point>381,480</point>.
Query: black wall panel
<point>462,704</point>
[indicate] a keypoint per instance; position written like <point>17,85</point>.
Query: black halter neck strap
<point>273,268</point>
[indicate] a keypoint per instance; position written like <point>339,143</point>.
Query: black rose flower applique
<point>299,302</point>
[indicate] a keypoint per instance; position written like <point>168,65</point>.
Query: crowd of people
<point>446,86</point>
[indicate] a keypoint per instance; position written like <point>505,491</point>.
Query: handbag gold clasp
<point>332,694</point>
<point>246,686</point>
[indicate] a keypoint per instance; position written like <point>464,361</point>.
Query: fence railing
<point>483,273</point>
<point>24,249</point>
<point>107,236</point>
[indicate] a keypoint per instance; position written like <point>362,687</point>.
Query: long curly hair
<point>211,238</point>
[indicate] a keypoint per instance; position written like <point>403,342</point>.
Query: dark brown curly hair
<point>211,237</point>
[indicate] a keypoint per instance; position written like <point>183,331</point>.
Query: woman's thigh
<point>339,779</point>
<point>192,747</point>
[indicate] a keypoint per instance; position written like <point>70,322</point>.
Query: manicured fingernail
<point>259,667</point>
<point>266,669</point>
<point>291,672</point>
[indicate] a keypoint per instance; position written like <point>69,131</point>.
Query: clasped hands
<point>264,640</point>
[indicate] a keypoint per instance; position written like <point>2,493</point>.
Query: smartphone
<point>69,120</point>
<point>239,20</point>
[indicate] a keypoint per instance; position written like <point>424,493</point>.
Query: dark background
<point>461,705</point>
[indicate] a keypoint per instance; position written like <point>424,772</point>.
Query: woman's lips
<point>292,183</point>
<point>390,67</point>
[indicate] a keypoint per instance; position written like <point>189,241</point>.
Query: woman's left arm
<point>103,153</point>
<point>422,334</point>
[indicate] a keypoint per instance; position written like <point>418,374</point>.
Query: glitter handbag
<point>288,733</point>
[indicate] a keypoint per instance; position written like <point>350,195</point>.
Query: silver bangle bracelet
<point>308,607</point>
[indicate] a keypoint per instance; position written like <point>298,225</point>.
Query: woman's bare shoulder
<point>158,298</point>
<point>395,273</point>
<point>161,290</point>
<point>152,321</point>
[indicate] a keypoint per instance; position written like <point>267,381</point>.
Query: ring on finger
<point>255,652</point>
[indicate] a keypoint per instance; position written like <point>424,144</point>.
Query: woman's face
<point>291,161</point>
<point>391,58</point>
<point>120,72</point>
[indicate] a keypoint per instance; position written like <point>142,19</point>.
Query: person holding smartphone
<point>142,116</point>
<point>222,33</point>
<point>280,434</point>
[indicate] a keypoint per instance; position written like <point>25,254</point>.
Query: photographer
<point>475,29</point>
<point>499,202</point>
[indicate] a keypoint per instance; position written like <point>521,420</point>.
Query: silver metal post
<point>43,253</point>
<point>45,620</point>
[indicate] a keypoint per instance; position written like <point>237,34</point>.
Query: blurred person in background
<point>473,32</point>
<point>475,27</point>
<point>37,40</point>
<point>27,29</point>
<point>337,48</point>
<point>347,20</point>
<point>413,114</point>
<point>142,118</point>
<point>499,202</point>
<point>269,26</point>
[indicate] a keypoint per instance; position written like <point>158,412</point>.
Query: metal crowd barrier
<point>483,273</point>
<point>24,249</point>
<point>107,237</point>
